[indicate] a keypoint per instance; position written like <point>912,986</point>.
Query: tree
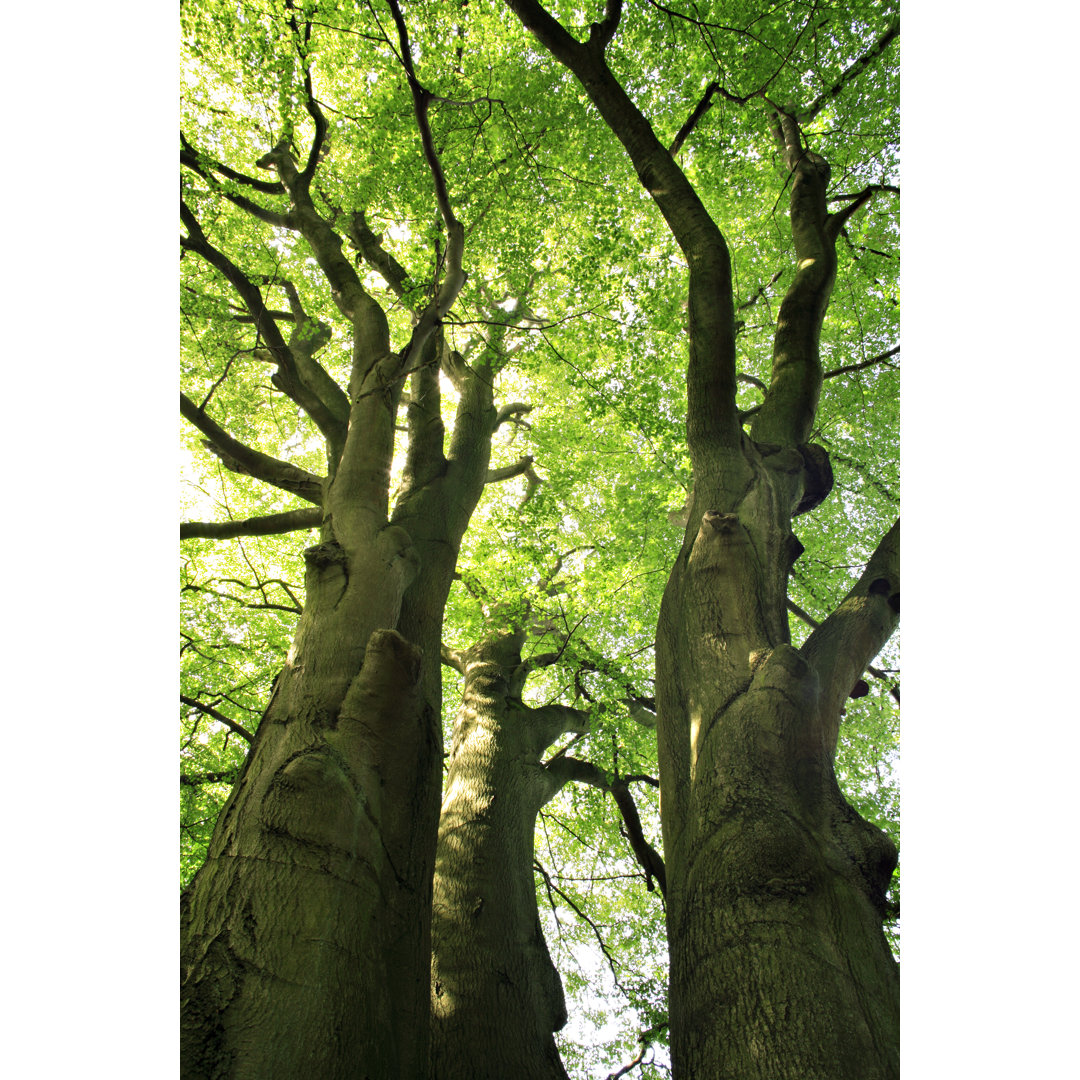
<point>308,929</point>
<point>773,876</point>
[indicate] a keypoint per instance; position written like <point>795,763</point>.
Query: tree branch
<point>288,377</point>
<point>312,106</point>
<point>454,658</point>
<point>712,416</point>
<point>239,458</point>
<point>512,412</point>
<point>585,918</point>
<point>563,770</point>
<point>198,779</point>
<point>849,638</point>
<point>201,164</point>
<point>700,109</point>
<point>371,343</point>
<point>454,276</point>
<point>370,247</point>
<point>271,524</point>
<point>210,711</point>
<point>861,366</point>
<point>199,159</point>
<point>806,617</point>
<point>786,417</point>
<point>309,336</point>
<point>601,33</point>
<point>506,472</point>
<point>849,73</point>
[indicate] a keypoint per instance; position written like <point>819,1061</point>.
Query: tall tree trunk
<point>306,935</point>
<point>775,886</point>
<point>496,996</point>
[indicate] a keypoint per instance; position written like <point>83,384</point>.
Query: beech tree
<point>555,306</point>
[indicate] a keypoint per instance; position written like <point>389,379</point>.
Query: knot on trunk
<point>720,542</point>
<point>324,555</point>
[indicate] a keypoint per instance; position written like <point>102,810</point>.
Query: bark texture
<point>496,997</point>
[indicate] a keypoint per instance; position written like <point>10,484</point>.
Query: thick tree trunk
<point>496,996</point>
<point>306,936</point>
<point>776,887</point>
<point>303,934</point>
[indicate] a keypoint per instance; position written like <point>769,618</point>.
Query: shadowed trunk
<point>496,996</point>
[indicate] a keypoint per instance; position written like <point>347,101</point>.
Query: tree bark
<point>496,996</point>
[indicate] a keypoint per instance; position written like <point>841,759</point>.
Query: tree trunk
<point>318,870</point>
<point>775,887</point>
<point>496,996</point>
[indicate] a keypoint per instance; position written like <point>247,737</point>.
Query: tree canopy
<point>430,184</point>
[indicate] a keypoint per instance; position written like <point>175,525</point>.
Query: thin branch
<point>891,188</point>
<point>566,769</point>
<point>864,364</point>
<point>198,779</point>
<point>631,1065</point>
<point>552,887</point>
<point>293,609</point>
<point>850,72</point>
<point>210,711</point>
